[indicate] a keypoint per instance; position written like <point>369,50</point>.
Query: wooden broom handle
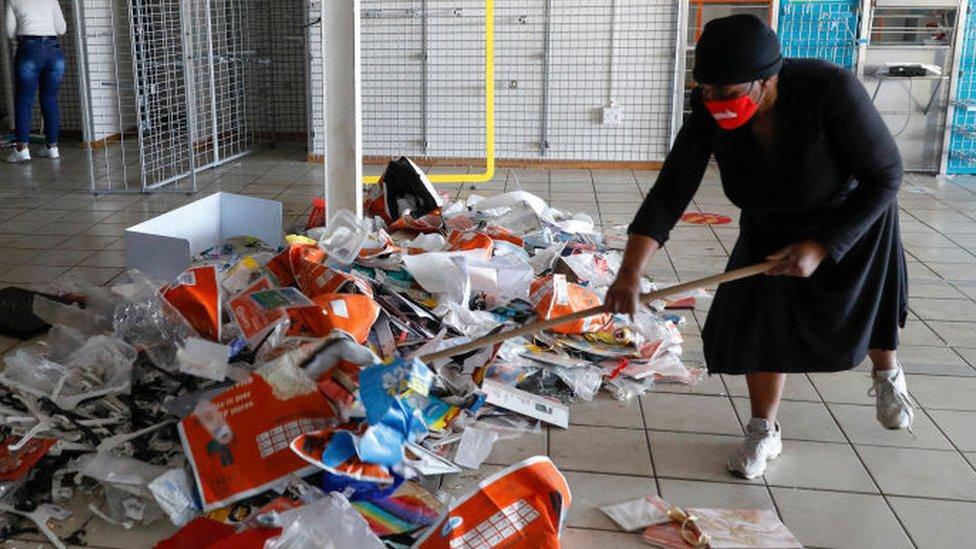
<point>534,327</point>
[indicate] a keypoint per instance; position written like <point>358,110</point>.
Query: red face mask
<point>733,113</point>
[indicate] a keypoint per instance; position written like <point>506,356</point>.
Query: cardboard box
<point>164,246</point>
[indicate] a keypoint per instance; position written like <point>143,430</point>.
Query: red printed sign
<point>258,456</point>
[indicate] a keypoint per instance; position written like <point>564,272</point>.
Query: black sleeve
<point>864,145</point>
<point>679,178</point>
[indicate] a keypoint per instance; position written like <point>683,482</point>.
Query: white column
<point>343,112</point>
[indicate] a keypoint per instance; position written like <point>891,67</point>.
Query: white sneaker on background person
<point>764,442</point>
<point>48,152</point>
<point>892,403</point>
<point>16,156</point>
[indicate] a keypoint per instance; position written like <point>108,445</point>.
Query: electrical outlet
<point>612,116</point>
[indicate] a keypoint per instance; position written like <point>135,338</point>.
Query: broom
<point>534,327</point>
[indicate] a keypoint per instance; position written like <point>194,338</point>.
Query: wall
<point>549,95</point>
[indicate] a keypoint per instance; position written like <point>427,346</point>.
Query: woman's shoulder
<point>813,71</point>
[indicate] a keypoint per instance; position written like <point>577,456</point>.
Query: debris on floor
<point>274,393</point>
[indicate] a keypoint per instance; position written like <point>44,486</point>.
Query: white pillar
<point>343,112</point>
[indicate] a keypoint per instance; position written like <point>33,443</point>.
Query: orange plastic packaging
<point>196,295</point>
<point>254,320</point>
<point>471,241</point>
<point>352,313</point>
<point>553,296</point>
<point>315,279</point>
<point>501,233</point>
<point>524,505</point>
<point>430,223</point>
<point>286,264</point>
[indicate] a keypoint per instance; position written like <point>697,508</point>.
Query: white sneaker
<point>48,152</point>
<point>16,156</point>
<point>893,405</point>
<point>764,442</point>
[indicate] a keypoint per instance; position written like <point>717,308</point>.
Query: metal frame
<point>489,103</point>
<point>951,74</point>
<point>680,56</point>
<point>958,41</point>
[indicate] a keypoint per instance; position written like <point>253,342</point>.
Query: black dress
<point>832,175</point>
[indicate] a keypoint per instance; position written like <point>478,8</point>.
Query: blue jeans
<point>39,63</point>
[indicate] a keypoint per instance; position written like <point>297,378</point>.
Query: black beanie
<point>736,49</point>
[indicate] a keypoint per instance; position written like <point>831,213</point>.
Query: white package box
<point>164,246</point>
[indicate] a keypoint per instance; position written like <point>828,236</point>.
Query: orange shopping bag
<point>524,505</point>
<point>553,296</point>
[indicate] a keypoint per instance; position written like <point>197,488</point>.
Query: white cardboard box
<point>164,246</point>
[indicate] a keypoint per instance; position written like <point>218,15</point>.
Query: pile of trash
<point>276,394</point>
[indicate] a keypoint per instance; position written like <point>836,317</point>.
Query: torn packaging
<point>196,295</point>
<point>524,505</point>
<point>553,297</point>
<point>403,187</point>
<point>258,457</point>
<point>351,313</point>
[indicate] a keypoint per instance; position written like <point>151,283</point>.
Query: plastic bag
<point>329,523</point>
<point>344,236</point>
<point>144,319</point>
<point>585,382</point>
<point>203,358</point>
<point>174,495</point>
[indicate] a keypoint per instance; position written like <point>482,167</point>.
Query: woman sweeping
<point>806,157</point>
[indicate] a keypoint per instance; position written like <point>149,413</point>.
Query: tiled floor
<point>842,481</point>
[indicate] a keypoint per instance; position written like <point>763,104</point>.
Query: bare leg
<point>882,360</point>
<point>765,392</point>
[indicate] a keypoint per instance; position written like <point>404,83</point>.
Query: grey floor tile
<point>960,427</point>
<point>709,385</point>
<point>930,359</point>
<point>605,411</point>
<point>917,332</point>
<point>933,523</point>
<point>591,491</point>
<point>694,456</point>
<point>916,472</point>
<point>955,310</point>
<point>578,538</point>
<point>844,387</point>
<point>819,465</point>
<point>861,426</point>
<point>959,334</point>
<point>797,387</point>
<point>459,485</point>
<point>600,449</point>
<point>942,392</point>
<point>799,420</point>
<point>691,413</point>
<point>507,452</point>
<point>720,495</point>
<point>831,519</point>
<point>968,354</point>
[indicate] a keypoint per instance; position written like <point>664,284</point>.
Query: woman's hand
<point>624,293</point>
<point>800,259</point>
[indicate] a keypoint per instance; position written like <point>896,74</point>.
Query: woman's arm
<point>860,137</point>
<point>675,186</point>
<point>59,23</point>
<point>11,20</point>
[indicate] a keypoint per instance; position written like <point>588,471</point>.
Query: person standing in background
<point>35,25</point>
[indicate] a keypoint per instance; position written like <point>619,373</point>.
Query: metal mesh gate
<point>961,154</point>
<point>581,80</point>
<point>824,29</point>
<point>178,86</point>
